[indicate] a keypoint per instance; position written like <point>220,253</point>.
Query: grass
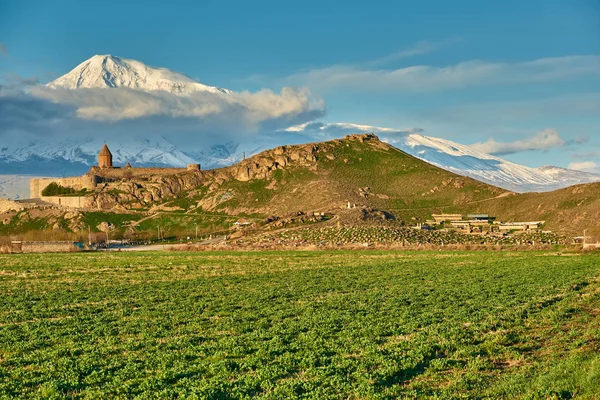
<point>176,225</point>
<point>408,181</point>
<point>21,222</point>
<point>319,325</point>
<point>395,180</point>
<point>95,218</point>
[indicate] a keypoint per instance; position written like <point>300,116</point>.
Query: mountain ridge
<point>74,155</point>
<point>465,160</point>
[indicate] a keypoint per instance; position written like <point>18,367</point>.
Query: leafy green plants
<point>318,325</point>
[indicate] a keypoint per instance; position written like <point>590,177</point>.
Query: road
<point>166,246</point>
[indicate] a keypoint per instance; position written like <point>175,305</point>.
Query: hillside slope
<point>362,170</point>
<point>569,210</point>
<point>328,176</point>
<point>359,169</point>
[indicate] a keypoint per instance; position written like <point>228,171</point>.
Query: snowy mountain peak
<point>565,174</point>
<point>467,160</point>
<point>108,71</point>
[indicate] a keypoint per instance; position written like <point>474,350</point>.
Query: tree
<point>55,189</point>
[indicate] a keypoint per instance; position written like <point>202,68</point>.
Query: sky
<point>519,79</point>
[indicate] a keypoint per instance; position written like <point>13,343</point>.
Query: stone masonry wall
<point>37,185</point>
<point>9,205</point>
<point>66,201</point>
<point>120,173</point>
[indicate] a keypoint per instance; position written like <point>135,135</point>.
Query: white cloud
<point>422,47</point>
<point>40,114</point>
<point>547,139</point>
<point>587,166</point>
<point>423,78</point>
<point>250,109</point>
<point>321,130</point>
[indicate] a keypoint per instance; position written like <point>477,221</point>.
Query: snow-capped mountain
<point>568,175</point>
<point>466,160</point>
<point>145,151</point>
<point>76,153</point>
<point>460,159</point>
<point>107,71</point>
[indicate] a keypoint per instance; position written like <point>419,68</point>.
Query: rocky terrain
<point>357,181</point>
<point>358,169</point>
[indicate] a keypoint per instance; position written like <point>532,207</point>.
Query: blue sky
<point>468,71</point>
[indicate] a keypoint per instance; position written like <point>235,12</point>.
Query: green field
<point>319,325</point>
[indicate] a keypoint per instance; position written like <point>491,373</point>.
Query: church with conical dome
<point>105,158</point>
<point>104,173</point>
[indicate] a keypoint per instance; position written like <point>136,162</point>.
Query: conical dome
<point>105,158</point>
<point>105,151</point>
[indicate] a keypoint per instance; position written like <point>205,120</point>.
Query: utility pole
<point>89,236</point>
<point>158,233</point>
<point>196,231</point>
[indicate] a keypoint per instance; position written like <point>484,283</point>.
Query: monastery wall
<point>123,173</point>
<point>66,201</point>
<point>37,185</point>
<point>10,205</point>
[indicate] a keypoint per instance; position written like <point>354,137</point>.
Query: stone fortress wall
<point>66,201</point>
<point>10,205</point>
<point>124,173</point>
<point>37,185</point>
<point>96,176</point>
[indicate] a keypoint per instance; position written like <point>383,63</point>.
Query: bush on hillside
<point>54,189</point>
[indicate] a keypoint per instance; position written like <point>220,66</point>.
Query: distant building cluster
<point>482,223</point>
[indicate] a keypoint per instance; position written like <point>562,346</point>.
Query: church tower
<point>105,158</point>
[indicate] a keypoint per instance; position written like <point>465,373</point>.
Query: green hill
<point>358,169</point>
<point>316,177</point>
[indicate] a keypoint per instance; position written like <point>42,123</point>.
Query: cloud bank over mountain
<point>137,106</point>
<point>547,139</point>
<point>154,116</point>
<point>586,166</point>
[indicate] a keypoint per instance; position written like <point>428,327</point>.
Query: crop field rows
<point>318,325</point>
<point>335,236</point>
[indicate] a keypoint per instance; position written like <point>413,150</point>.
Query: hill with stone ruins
<point>358,171</point>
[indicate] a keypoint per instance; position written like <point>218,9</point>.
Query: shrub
<point>55,189</point>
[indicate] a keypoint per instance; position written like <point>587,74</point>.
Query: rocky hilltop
<point>315,181</point>
<point>358,169</point>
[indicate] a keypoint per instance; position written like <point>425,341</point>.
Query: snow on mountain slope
<point>14,186</point>
<point>107,71</point>
<point>460,159</point>
<point>465,160</point>
<point>569,175</point>
<point>141,152</point>
<point>230,153</point>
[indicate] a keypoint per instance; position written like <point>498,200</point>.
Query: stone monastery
<point>104,172</point>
